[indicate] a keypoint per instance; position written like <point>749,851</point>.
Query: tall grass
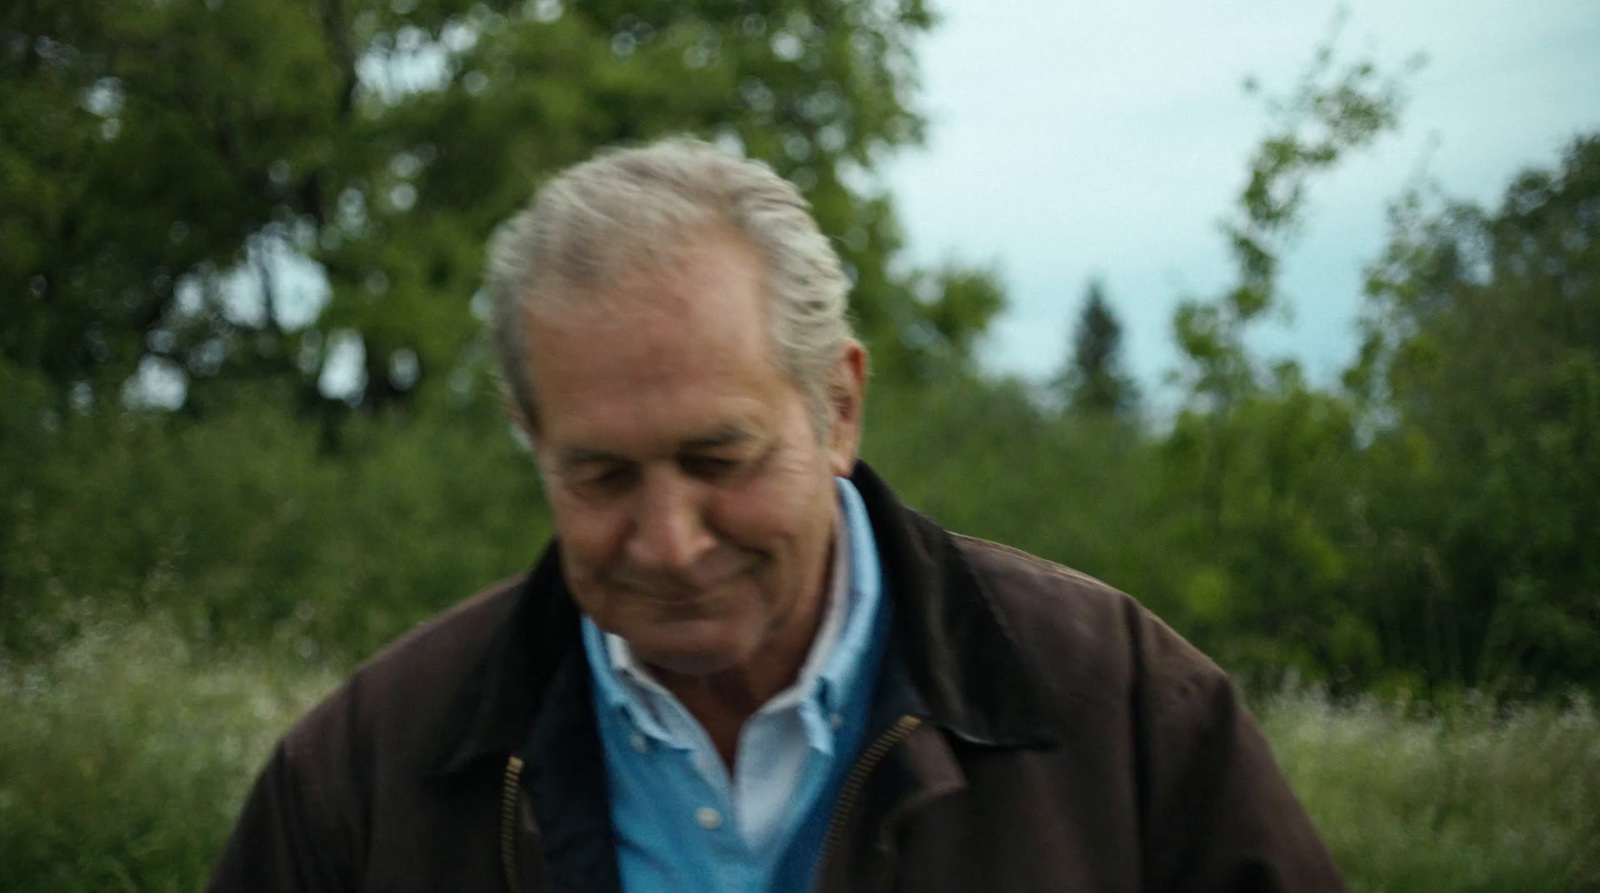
<point>1469,798</point>
<point>123,760</point>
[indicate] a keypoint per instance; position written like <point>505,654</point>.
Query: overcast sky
<point>1071,139</point>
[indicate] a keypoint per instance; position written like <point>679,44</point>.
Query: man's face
<point>694,501</point>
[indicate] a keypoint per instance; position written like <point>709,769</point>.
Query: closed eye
<point>607,478</point>
<point>710,468</point>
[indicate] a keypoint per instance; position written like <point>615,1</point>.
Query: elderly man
<point>743,665</point>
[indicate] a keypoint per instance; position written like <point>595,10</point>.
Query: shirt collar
<point>853,595</point>
<point>843,663</point>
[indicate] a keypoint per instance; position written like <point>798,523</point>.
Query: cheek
<point>588,538</point>
<point>783,515</point>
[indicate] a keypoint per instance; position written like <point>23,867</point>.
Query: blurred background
<point>1286,323</point>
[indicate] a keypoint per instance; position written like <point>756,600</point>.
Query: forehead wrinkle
<point>634,327</point>
<point>659,293</point>
<point>729,434</point>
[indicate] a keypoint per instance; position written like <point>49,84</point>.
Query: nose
<point>669,531</point>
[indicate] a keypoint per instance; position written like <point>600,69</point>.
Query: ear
<point>847,391</point>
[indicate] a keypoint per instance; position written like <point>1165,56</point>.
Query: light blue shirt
<point>681,822</point>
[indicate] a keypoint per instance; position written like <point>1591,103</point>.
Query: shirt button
<point>708,818</point>
<point>836,720</point>
<point>638,742</point>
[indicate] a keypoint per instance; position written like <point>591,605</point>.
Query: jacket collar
<point>496,709</point>
<point>960,658</point>
<point>953,659</point>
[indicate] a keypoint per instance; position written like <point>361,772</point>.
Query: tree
<point>1258,463</point>
<point>1333,110</point>
<point>164,163</point>
<point>1480,379</point>
<point>1093,382</point>
<point>140,142</point>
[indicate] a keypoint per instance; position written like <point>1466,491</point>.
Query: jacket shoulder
<point>396,697</point>
<point>308,819</point>
<point>457,638</point>
<point>1214,809</point>
<point>1085,638</point>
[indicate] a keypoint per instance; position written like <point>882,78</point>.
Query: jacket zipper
<point>509,794</point>
<point>870,758</point>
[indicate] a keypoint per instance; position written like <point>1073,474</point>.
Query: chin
<point>694,665</point>
<point>693,652</point>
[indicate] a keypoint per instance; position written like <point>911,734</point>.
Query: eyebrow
<point>729,435</point>
<point>577,456</point>
<point>726,436</point>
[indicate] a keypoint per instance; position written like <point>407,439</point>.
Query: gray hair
<point>630,210</point>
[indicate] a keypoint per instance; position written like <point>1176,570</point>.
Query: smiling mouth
<point>674,593</point>
<point>672,589</point>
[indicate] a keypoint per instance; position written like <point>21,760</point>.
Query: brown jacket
<point>1035,730</point>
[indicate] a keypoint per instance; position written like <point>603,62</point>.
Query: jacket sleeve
<point>1219,816</point>
<point>287,839</point>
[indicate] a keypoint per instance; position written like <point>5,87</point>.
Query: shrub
<point>249,529</point>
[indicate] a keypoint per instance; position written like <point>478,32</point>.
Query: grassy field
<point>123,758</point>
<point>1465,799</point>
<point>122,762</point>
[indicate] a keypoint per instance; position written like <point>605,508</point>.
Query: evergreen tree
<point>1093,381</point>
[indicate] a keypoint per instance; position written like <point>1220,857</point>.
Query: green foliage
<point>246,529</point>
<point>1430,525</point>
<point>1480,377</point>
<point>139,142</point>
<point>1260,497</point>
<point>985,459</point>
<point>954,307</point>
<point>1260,466</point>
<point>1334,110</point>
<point>163,161</point>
